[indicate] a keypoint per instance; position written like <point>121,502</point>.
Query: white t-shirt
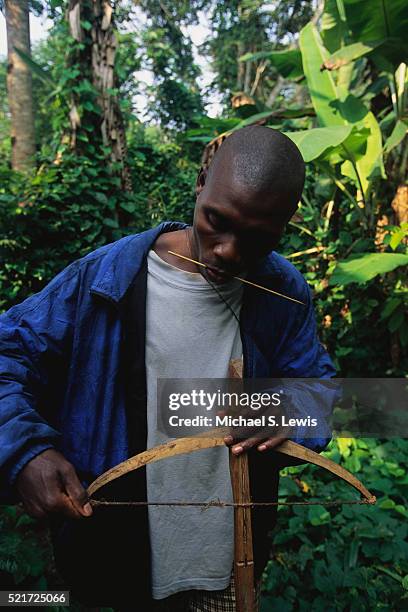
<point>190,333</point>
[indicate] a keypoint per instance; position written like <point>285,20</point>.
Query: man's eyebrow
<point>213,208</point>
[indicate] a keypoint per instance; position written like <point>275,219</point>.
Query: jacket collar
<point>125,258</point>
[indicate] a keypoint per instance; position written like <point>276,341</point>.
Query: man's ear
<point>201,178</point>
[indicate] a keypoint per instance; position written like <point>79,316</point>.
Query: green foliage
<point>288,63</point>
<point>380,20</point>
<point>397,235</point>
<point>347,313</point>
<point>250,32</point>
<point>342,558</point>
<point>175,95</point>
<point>49,221</point>
<point>321,85</point>
<point>397,135</point>
<point>24,554</point>
<point>350,53</point>
<point>26,562</point>
<point>314,143</point>
<point>341,204</point>
<point>362,268</point>
<point>60,215</point>
<point>163,178</point>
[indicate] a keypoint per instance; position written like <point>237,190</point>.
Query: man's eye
<point>215,221</point>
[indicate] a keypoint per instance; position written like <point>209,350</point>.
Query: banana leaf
<point>362,268</point>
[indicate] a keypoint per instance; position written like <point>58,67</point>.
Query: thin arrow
<point>243,280</point>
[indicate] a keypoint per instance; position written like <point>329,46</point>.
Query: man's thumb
<point>87,509</point>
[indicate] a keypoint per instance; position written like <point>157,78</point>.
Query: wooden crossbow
<point>243,549</point>
<point>243,553</point>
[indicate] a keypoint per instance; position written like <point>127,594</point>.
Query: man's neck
<point>179,242</point>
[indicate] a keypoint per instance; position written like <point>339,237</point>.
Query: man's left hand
<point>244,445</point>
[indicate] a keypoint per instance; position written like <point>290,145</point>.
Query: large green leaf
<point>374,20</point>
<point>320,83</point>
<point>354,145</point>
<point>365,157</point>
<point>289,113</point>
<point>288,63</point>
<point>334,32</point>
<point>293,113</point>
<point>333,24</point>
<point>335,35</point>
<point>362,268</point>
<point>218,124</point>
<point>252,119</point>
<point>370,164</point>
<point>351,108</point>
<point>214,127</point>
<point>313,143</point>
<point>348,54</point>
<point>397,135</point>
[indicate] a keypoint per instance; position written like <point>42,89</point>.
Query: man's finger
<point>75,492</point>
<point>264,445</point>
<point>55,499</point>
<point>244,445</point>
<point>271,443</point>
<point>63,505</point>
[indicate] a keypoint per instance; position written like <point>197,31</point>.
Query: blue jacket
<point>61,356</point>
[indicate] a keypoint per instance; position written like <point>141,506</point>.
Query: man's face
<point>233,228</point>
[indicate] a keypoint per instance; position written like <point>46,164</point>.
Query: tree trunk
<point>19,86</point>
<point>101,60</point>
<point>247,81</point>
<point>275,91</point>
<point>240,67</point>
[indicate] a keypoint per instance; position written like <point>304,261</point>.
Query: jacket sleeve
<point>35,343</point>
<point>302,356</point>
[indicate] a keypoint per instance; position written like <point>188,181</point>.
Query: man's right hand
<point>48,484</point>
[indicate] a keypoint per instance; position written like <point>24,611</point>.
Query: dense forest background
<point>81,166</point>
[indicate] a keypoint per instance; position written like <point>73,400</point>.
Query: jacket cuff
<point>315,444</point>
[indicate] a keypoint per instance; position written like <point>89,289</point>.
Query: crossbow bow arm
<point>305,454</point>
<point>188,445</point>
<point>164,451</point>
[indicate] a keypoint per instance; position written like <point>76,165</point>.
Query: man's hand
<point>262,445</point>
<point>49,484</point>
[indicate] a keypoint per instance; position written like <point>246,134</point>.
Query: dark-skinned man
<point>80,363</point>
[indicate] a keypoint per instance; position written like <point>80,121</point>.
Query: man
<point>79,365</point>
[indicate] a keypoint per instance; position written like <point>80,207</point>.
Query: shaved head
<point>264,162</point>
<point>244,200</point>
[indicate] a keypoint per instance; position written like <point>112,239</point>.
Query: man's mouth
<point>216,275</point>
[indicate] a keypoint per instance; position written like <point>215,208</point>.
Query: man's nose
<point>228,251</point>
